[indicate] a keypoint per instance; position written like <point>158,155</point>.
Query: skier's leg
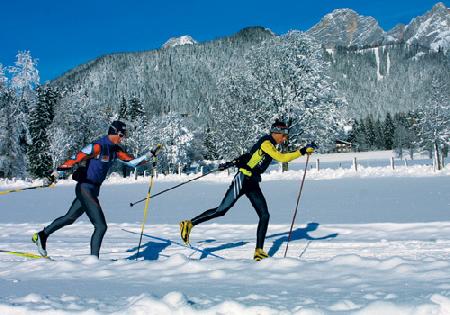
<point>234,192</point>
<point>40,238</point>
<point>88,194</point>
<point>231,196</point>
<point>75,211</point>
<point>259,203</point>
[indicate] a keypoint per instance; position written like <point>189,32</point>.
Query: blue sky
<point>65,33</point>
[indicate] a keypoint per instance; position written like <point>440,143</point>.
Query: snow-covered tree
<point>25,77</point>
<point>290,75</point>
<point>15,99</point>
<point>174,133</point>
<point>25,74</point>
<point>237,118</point>
<point>284,77</point>
<point>434,119</point>
<point>80,122</point>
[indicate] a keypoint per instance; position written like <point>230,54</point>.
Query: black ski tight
<point>86,201</point>
<point>241,185</point>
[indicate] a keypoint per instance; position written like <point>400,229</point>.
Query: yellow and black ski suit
<point>246,181</point>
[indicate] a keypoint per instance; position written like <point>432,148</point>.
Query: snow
<point>376,241</point>
<point>388,64</point>
<point>179,41</point>
<point>377,58</point>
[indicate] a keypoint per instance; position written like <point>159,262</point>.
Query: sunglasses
<point>120,134</point>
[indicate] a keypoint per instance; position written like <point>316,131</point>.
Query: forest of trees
<point>213,100</point>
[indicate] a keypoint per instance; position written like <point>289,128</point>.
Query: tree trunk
<point>437,156</point>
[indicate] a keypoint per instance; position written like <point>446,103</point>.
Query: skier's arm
<point>129,160</point>
<point>86,153</point>
<point>270,149</point>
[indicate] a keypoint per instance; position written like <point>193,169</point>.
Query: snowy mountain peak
<point>345,27</point>
<point>440,6</point>
<point>431,29</point>
<point>179,41</point>
<point>396,34</point>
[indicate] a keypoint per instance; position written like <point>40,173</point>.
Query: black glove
<point>225,166</point>
<point>308,149</point>
<point>51,177</point>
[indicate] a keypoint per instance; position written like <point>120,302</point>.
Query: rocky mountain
<point>431,29</point>
<point>345,27</point>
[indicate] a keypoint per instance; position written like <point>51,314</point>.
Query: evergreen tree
<point>388,130</point>
<point>361,136</point>
<point>12,163</point>
<point>379,135</point>
<point>123,109</point>
<point>40,119</point>
<point>370,132</point>
<point>135,109</point>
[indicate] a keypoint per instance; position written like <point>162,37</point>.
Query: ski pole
<point>176,186</point>
<point>147,202</point>
<point>5,192</point>
<point>296,206</point>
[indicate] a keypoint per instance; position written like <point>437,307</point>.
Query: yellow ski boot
<point>185,230</point>
<point>260,254</point>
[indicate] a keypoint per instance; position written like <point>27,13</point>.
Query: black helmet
<point>117,128</point>
<point>279,127</point>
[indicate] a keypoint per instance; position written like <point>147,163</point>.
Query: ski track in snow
<point>343,258</point>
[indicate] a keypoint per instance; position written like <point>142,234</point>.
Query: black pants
<point>86,201</point>
<point>241,185</point>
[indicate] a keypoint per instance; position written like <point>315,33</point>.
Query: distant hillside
<point>377,71</point>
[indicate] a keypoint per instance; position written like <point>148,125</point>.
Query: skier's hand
<point>224,166</point>
<point>308,149</point>
<point>156,149</point>
<point>51,178</point>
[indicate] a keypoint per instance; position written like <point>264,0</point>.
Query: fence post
<point>179,168</point>
<point>318,165</point>
<point>392,163</point>
<point>355,164</point>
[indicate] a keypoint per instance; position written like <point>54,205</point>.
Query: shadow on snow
<point>298,234</point>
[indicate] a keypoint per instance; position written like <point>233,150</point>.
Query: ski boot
<point>260,254</point>
<point>40,239</point>
<point>185,230</point>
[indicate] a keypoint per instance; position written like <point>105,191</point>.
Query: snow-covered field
<point>376,241</point>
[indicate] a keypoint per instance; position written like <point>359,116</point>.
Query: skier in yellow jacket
<point>246,182</point>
